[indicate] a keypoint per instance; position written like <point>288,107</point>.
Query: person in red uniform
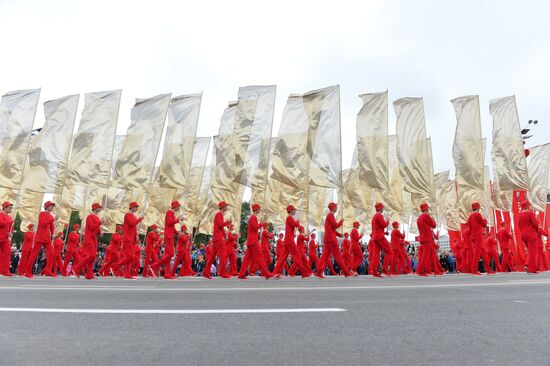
<point>71,252</point>
<point>491,250</point>
<point>184,256</point>
<point>265,241</point>
<point>541,258</point>
<point>504,238</point>
<point>529,226</point>
<point>116,240</point>
<point>477,224</point>
<point>379,241</point>
<point>43,239</point>
<point>331,243</point>
<point>89,245</point>
<point>397,259</point>
<point>150,251</point>
<point>313,260</point>
<point>129,237</point>
<point>26,250</point>
<point>218,240</point>
<point>279,248</point>
<point>6,231</point>
<point>301,241</point>
<point>254,250</point>
<point>170,221</point>
<point>356,252</point>
<point>427,254</point>
<point>113,249</point>
<point>137,258</point>
<point>346,250</point>
<point>231,250</point>
<point>58,245</point>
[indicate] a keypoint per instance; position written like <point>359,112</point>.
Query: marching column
<point>477,224</point>
<point>254,251</point>
<point>427,250</point>
<point>218,241</point>
<point>379,241</point>
<point>90,242</point>
<point>129,236</point>
<point>43,239</point>
<point>289,246</point>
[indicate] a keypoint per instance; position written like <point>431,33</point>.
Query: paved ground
<point>450,320</point>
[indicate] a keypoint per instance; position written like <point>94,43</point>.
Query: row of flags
<point>302,166</point>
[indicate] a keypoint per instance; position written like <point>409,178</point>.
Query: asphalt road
<point>451,320</point>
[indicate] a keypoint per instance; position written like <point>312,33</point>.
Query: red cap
<point>300,228</point>
<point>95,206</point>
<point>231,226</point>
<point>59,234</point>
<point>346,235</point>
<point>424,206</point>
<point>476,206</point>
<point>6,204</point>
<point>503,224</point>
<point>290,208</point>
<point>313,235</point>
<point>119,228</point>
<point>175,204</point>
<point>222,204</point>
<point>48,204</point>
<point>256,207</point>
<point>265,225</point>
<point>76,226</point>
<point>332,206</point>
<point>525,204</point>
<point>30,226</point>
<point>280,235</point>
<point>132,205</point>
<point>395,224</point>
<point>356,224</point>
<point>378,206</point>
<point>183,228</point>
<point>154,227</point>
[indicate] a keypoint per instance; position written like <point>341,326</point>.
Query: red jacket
<point>490,244</point>
<point>72,241</point>
<point>27,241</point>
<point>46,228</point>
<point>58,245</point>
<point>477,224</point>
<point>355,236</point>
<point>6,226</point>
<point>346,247</point>
<point>266,236</point>
<point>504,237</point>
<point>183,242</point>
<point>150,242</point>
<point>219,224</point>
<point>301,243</point>
<point>252,233</point>
<point>232,240</point>
<point>93,229</point>
<point>528,225</point>
<point>397,239</point>
<point>116,240</point>
<point>312,250</point>
<point>130,227</point>
<point>330,228</point>
<point>279,247</point>
<point>290,225</point>
<point>425,224</point>
<point>379,226</point>
<point>170,221</point>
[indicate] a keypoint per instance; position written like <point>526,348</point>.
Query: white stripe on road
<point>164,311</point>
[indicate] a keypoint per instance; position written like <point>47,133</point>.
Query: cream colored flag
<point>468,154</point>
<point>17,112</point>
<point>412,148</point>
<point>49,150</point>
<point>538,163</point>
<point>319,198</point>
<point>92,148</point>
<point>452,218</point>
<point>394,195</point>
<point>134,166</point>
<point>183,116</point>
<point>441,182</point>
<point>507,151</point>
<point>158,202</point>
<point>501,200</point>
<point>487,204</point>
<point>29,206</point>
<point>372,140</point>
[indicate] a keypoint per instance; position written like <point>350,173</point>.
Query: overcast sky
<point>434,49</point>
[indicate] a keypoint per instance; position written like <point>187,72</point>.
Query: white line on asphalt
<point>175,311</point>
<point>282,288</point>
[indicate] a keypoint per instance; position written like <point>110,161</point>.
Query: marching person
<point>379,241</point>
<point>231,250</point>
<point>477,224</point>
<point>218,240</point>
<point>397,259</point>
<point>427,250</point>
<point>301,245</point>
<point>313,260</point>
<point>289,246</point>
<point>26,250</point>
<point>43,239</point>
<point>110,264</point>
<point>265,240</point>
<point>346,250</point>
<point>170,221</point>
<point>129,237</point>
<point>504,238</point>
<point>254,250</point>
<point>89,245</point>
<point>71,253</point>
<point>356,252</point>
<point>58,245</point>
<point>491,250</point>
<point>279,248</point>
<point>331,243</point>
<point>529,226</point>
<point>150,251</point>
<point>184,254</point>
<point>6,231</point>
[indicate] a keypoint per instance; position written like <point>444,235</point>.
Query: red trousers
<point>531,255</point>
<point>254,254</point>
<point>356,258</point>
<point>506,263</point>
<point>426,257</point>
<point>150,258</point>
<point>184,258</point>
<point>34,254</point>
<point>380,245</point>
<point>68,256</point>
<point>313,259</point>
<point>290,248</point>
<point>110,264</point>
<point>397,265</point>
<point>218,251</point>
<point>127,260</point>
<point>57,263</point>
<point>332,248</point>
<point>23,262</point>
<point>479,251</point>
<point>294,267</point>
<point>5,257</point>
<point>88,259</point>
<point>492,254</point>
<point>466,260</point>
<point>232,259</point>
<point>164,261</point>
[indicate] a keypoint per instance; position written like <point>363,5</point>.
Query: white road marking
<point>379,286</point>
<point>175,311</point>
